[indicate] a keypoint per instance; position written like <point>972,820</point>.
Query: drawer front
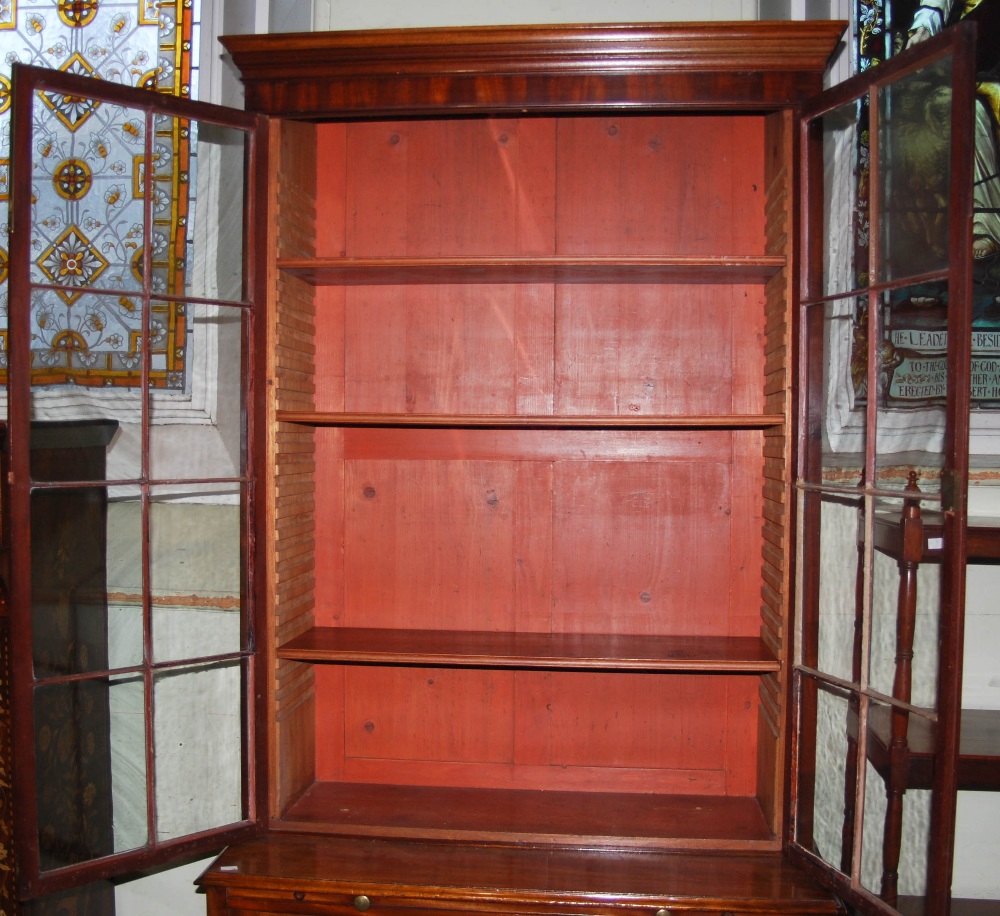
<point>287,903</point>
<point>292,903</point>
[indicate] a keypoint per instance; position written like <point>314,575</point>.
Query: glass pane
<point>837,392</point>
<point>69,596</point>
<point>845,185</point>
<point>196,571</point>
<point>897,826</point>
<point>977,847</point>
<point>86,372</point>
<point>71,450</point>
<point>125,581</point>
<point>831,818</point>
<point>199,757</point>
<point>170,350</point>
<point>906,601</point>
<point>170,190</point>
<point>128,761</point>
<point>913,386</point>
<point>216,218</point>
<point>87,179</point>
<point>914,148</point>
<point>90,768</point>
<point>838,557</point>
<point>197,414</point>
<point>985,391</point>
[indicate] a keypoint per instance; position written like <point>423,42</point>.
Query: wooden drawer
<point>283,875</point>
<point>285,903</point>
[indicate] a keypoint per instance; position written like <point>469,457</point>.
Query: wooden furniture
<point>530,365</point>
<point>516,558</point>
<point>901,744</point>
<point>978,766</point>
<point>300,874</point>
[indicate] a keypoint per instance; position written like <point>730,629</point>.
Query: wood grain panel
<point>429,714</point>
<point>534,536</point>
<point>330,722</point>
<point>330,229</point>
<point>747,520</point>
<point>329,535</point>
<point>637,547</point>
<point>423,726</point>
<point>642,548</point>
<point>741,736</point>
<point>464,187</point>
<point>330,372</point>
<point>659,185</point>
<point>623,720</point>
<point>450,349</point>
<point>430,544</point>
<point>649,349</point>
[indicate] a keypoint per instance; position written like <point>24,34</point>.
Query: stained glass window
<point>89,177</point>
<point>915,334</point>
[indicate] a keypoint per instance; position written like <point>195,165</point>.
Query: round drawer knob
<point>361,903</point>
<point>663,912</point>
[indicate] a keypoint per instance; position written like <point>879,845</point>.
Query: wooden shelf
<point>547,421</point>
<point>960,906</point>
<point>403,270</point>
<point>439,648</point>
<point>982,536</point>
<point>978,755</point>
<point>524,816</point>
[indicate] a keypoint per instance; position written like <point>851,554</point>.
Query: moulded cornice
<point>321,74</point>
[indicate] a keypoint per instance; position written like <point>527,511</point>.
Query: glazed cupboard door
<point>885,329</point>
<point>132,394</point>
